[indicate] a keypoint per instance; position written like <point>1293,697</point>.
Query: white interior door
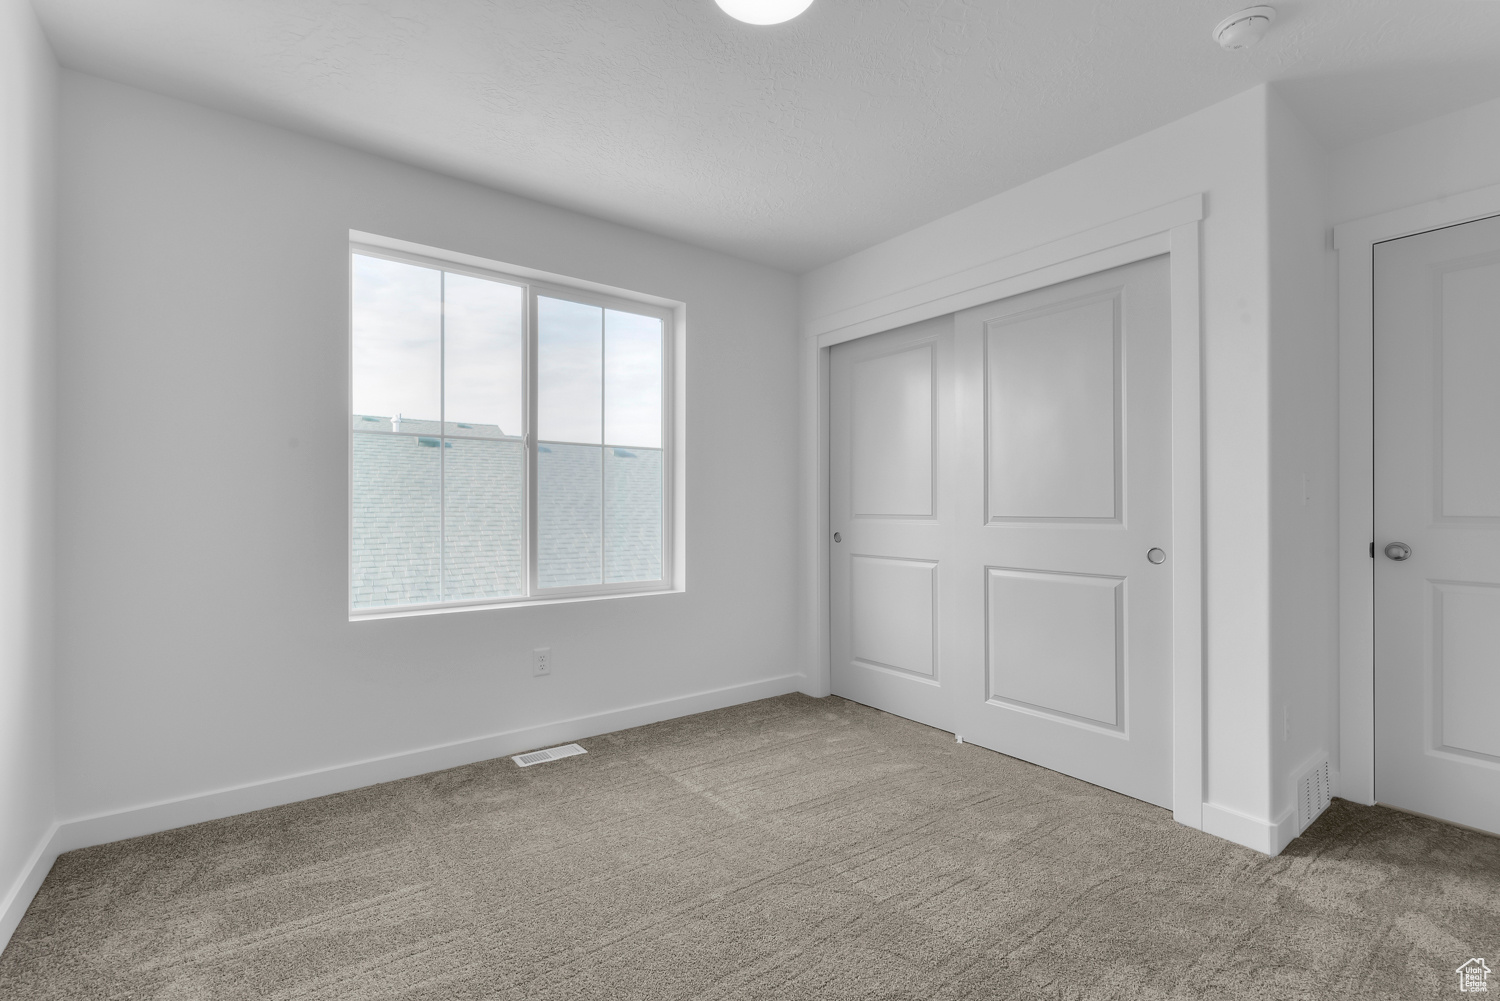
<point>997,480</point>
<point>1437,496</point>
<point>887,402</point>
<point>1063,623</point>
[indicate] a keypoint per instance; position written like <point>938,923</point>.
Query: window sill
<point>407,611</point>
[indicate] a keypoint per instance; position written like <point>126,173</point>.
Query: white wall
<point>27,105</point>
<point>1221,151</point>
<point>1443,156</point>
<point>1304,459</point>
<point>204,641</point>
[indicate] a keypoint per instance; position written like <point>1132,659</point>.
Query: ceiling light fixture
<point>1244,29</point>
<point>763,11</point>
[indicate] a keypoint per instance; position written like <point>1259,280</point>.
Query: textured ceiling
<point>792,145</point>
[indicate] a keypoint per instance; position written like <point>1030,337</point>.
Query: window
<point>509,438</point>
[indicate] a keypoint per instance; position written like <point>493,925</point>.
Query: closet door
<point>1060,624</point>
<point>889,395</point>
<point>1001,510</point>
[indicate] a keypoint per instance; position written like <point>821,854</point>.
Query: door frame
<point>1171,229</point>
<point>1354,243</point>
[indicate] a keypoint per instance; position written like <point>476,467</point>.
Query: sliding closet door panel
<point>1000,487</point>
<point>887,580</point>
<point>1058,621</point>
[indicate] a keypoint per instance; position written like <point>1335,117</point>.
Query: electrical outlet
<point>541,661</point>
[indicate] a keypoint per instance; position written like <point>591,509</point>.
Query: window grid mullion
<point>528,493</point>
<point>533,462</point>
<point>602,402</point>
<point>442,436</point>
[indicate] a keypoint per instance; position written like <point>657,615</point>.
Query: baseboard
<point>1268,838</point>
<point>13,907</point>
<point>83,832</point>
<point>103,828</point>
<point>1286,831</point>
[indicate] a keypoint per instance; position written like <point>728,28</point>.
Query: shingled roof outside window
<point>441,512</point>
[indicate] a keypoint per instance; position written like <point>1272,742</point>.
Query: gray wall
<point>1304,458</point>
<point>204,641</point>
<point>27,101</point>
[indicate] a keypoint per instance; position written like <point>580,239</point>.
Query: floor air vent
<point>1312,795</point>
<point>547,754</point>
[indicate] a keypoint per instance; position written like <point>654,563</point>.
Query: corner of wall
<point>1266,837</point>
<point>1304,456</point>
<point>28,103</point>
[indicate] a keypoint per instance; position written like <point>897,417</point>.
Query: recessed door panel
<point>1469,326</point>
<point>1467,634</point>
<point>1055,643</point>
<point>1053,400</point>
<point>892,434</point>
<point>892,605</point>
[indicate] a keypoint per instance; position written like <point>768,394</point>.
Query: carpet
<point>790,848</point>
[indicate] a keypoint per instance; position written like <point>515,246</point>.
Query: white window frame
<point>534,284</point>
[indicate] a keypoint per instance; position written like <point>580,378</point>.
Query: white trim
<point>626,590</point>
<point>1168,229</point>
<point>1355,242</point>
<point>168,814</point>
<point>1243,829</point>
<point>1030,269</point>
<point>1187,526</point>
<point>165,815</point>
<point>13,906</point>
<point>488,267</point>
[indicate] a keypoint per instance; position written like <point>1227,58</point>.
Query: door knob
<point>837,537</point>
<point>1398,551</point>
<point>1156,555</point>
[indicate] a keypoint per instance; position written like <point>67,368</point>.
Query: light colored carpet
<point>792,848</point>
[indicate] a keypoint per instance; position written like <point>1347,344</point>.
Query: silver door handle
<point>1397,551</point>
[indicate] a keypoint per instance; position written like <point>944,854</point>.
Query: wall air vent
<point>1312,795</point>
<point>547,754</point>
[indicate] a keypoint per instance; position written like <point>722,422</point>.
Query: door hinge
<point>1372,549</point>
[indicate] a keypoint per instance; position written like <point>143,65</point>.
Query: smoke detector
<point>1243,29</point>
